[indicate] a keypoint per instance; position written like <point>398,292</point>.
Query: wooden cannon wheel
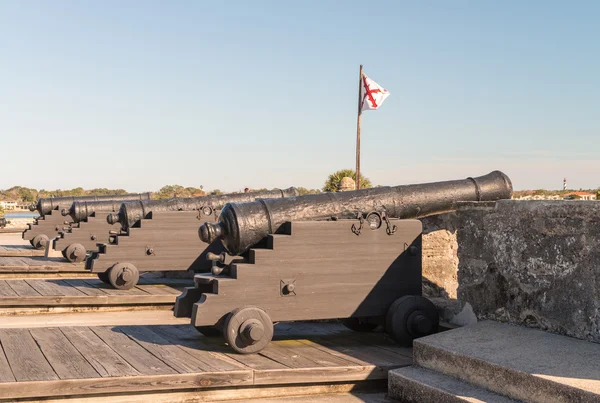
<point>123,276</point>
<point>411,317</point>
<point>248,330</point>
<point>75,253</point>
<point>39,241</point>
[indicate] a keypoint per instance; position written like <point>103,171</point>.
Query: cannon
<point>88,227</point>
<point>130,214</point>
<point>3,222</point>
<point>162,235</point>
<point>47,225</point>
<point>355,256</point>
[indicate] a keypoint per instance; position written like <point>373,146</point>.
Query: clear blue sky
<point>229,94</point>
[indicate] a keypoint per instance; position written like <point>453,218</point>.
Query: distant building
<point>538,197</point>
<point>9,204</point>
<point>580,196</point>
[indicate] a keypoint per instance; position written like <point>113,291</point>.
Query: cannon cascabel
<point>46,205</point>
<point>131,212</point>
<point>242,225</point>
<point>81,210</point>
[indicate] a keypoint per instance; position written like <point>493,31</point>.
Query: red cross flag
<point>371,94</point>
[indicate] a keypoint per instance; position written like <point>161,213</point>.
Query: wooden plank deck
<point>12,230</point>
<point>77,293</point>
<point>87,361</point>
<point>38,264</point>
<point>20,250</point>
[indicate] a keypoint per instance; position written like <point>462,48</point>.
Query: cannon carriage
<point>3,222</point>
<point>50,221</point>
<point>355,256</point>
<point>162,235</point>
<point>88,228</point>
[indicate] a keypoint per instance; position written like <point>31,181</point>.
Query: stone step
<point>522,363</point>
<point>419,385</point>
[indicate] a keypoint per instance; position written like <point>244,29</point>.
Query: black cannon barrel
<point>46,205</point>
<point>131,212</point>
<point>80,210</point>
<point>242,225</point>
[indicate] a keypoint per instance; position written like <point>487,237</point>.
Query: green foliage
<point>169,191</point>
<point>332,182</point>
<point>19,193</point>
<point>215,192</point>
<point>1,211</point>
<point>305,191</point>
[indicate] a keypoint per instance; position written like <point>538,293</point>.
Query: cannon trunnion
<point>316,270</point>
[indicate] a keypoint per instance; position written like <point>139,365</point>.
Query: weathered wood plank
<point>368,353</point>
<point>315,375</point>
<point>85,288</point>
<point>110,290</point>
<point>19,251</point>
<point>22,288</point>
<point>67,362</point>
<point>66,288</point>
<point>6,374</point>
<point>138,357</point>
<point>171,354</point>
<point>25,358</point>
<point>41,264</point>
<point>127,384</point>
<point>254,361</point>
<point>104,360</point>
<point>5,289</point>
<point>159,289</point>
<point>192,344</point>
<point>168,285</point>
<point>322,358</point>
<point>288,358</point>
<point>362,348</point>
<point>45,288</point>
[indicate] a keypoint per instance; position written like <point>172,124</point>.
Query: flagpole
<point>358,130</point>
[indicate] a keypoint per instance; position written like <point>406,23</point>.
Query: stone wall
<point>440,260</point>
<point>533,263</point>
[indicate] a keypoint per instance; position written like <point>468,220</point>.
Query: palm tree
<point>332,182</point>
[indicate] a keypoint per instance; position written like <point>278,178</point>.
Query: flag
<point>371,94</point>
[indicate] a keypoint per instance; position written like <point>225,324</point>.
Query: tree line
<point>30,195</point>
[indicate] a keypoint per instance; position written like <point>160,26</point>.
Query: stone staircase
<point>495,362</point>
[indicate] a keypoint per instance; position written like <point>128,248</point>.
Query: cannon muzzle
<point>113,218</point>
<point>210,232</point>
<point>132,212</point>
<point>242,225</point>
